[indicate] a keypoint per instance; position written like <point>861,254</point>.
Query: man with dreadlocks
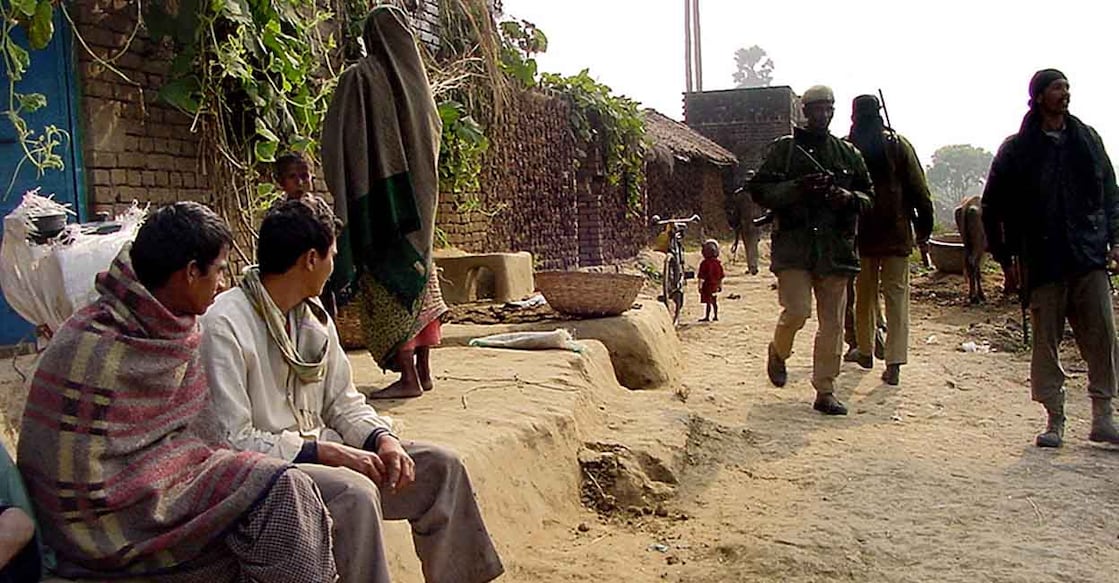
<point>902,205</point>
<point>1051,199</point>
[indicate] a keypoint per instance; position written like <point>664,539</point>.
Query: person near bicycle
<point>816,185</point>
<point>710,278</point>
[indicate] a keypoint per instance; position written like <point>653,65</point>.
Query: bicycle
<point>673,274</point>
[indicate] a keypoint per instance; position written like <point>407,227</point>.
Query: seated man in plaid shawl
<point>282,386</point>
<point>120,451</point>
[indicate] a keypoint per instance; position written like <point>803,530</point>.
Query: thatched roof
<point>673,140</point>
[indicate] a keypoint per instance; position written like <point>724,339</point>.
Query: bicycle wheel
<point>672,285</point>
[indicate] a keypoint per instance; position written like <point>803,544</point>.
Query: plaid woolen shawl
<point>120,456</point>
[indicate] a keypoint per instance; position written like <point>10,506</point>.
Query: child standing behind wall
<point>710,279</point>
<point>293,175</point>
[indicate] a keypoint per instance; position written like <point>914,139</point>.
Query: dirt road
<point>934,480</point>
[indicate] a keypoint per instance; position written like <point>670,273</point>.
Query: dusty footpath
<point>718,476</point>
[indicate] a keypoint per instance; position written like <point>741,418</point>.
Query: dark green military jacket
<point>808,232</point>
<point>902,203</point>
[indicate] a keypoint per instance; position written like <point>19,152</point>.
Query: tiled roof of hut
<point>674,140</point>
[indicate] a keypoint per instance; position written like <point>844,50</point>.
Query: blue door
<point>52,74</point>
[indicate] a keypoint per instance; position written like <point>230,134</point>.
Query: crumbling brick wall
<point>426,22</point>
<point>537,195</point>
<point>527,196</point>
<point>683,188</point>
<point>609,230</point>
<point>744,121</point>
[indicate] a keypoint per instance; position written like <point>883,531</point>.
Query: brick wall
<point>134,147</point>
<point>744,121</point>
<point>535,196</point>
<point>626,232</point>
<point>425,14</point>
<point>686,188</point>
<point>609,231</point>
<point>527,197</point>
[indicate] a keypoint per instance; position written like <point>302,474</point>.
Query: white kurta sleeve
<point>227,366</point>
<point>345,409</point>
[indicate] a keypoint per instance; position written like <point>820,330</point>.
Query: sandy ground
<point>934,480</point>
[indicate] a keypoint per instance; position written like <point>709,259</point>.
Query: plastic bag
<point>81,261</point>
<point>556,339</point>
<point>47,283</point>
<point>532,302</point>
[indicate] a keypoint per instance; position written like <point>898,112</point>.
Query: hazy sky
<point>952,71</point>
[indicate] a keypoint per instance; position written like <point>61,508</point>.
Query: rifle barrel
<point>886,112</point>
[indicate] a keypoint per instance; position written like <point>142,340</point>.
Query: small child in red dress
<point>710,278</point>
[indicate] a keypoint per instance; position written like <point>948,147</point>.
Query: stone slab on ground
<point>465,277</point>
<point>643,345</point>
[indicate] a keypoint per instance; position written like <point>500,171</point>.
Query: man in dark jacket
<point>1051,200</point>
<point>902,204</point>
<point>816,184</point>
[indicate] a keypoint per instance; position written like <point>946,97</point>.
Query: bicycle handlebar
<point>657,220</point>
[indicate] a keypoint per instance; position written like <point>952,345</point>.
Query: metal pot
<point>48,226</point>
<point>947,252</point>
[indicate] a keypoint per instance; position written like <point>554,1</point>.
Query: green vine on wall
<point>461,149</point>
<point>597,115</point>
<point>36,19</point>
<point>256,76</point>
<point>521,40</point>
<point>260,69</point>
<point>470,90</point>
<point>614,122</point>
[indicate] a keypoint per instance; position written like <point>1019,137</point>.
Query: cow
<point>969,222</point>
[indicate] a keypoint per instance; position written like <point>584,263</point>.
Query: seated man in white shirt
<point>282,386</point>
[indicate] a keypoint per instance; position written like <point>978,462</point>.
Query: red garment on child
<point>711,274</point>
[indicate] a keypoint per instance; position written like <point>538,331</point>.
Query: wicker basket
<point>947,253</point>
<point>589,294</point>
<point>348,321</point>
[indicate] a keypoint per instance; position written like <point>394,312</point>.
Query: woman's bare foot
<point>401,389</point>
<point>409,385</point>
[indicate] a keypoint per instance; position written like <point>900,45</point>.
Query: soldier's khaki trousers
<point>1085,301</point>
<point>795,288</point>
<point>890,275</point>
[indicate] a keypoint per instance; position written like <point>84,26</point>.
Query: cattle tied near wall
<point>969,222</point>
